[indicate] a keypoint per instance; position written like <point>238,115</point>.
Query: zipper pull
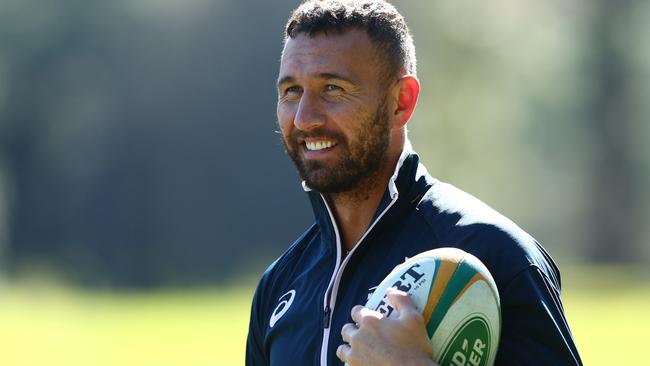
<point>326,318</point>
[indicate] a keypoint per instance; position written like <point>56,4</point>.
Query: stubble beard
<point>359,160</point>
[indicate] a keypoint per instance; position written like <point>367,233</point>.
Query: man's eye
<point>333,88</point>
<point>292,89</point>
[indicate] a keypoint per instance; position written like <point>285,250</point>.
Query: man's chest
<point>308,311</point>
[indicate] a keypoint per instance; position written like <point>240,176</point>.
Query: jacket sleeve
<point>255,355</point>
<point>534,330</point>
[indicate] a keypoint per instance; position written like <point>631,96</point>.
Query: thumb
<point>401,301</point>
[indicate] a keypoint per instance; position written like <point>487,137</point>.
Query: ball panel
<point>414,277</point>
<point>444,271</point>
<point>461,276</point>
<point>476,302</point>
<point>472,281</point>
<point>451,255</point>
<point>471,344</point>
<point>480,268</point>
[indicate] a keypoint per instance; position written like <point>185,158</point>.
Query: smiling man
<point>347,87</point>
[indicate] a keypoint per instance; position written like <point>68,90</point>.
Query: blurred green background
<point>143,188</point>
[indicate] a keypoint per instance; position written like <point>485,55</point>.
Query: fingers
<point>401,301</point>
<point>360,314</point>
<point>348,331</point>
<point>343,352</point>
<point>356,313</point>
<point>375,339</point>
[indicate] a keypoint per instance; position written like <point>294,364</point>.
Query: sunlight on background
<point>143,189</point>
<point>61,327</point>
<point>607,310</point>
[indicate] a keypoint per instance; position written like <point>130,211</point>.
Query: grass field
<point>51,326</point>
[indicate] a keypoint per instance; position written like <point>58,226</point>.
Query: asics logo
<point>285,302</point>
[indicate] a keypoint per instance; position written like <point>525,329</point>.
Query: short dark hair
<point>385,26</point>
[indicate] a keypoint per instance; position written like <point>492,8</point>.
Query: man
<point>346,89</point>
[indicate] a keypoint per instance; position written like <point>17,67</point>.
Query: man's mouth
<point>319,145</point>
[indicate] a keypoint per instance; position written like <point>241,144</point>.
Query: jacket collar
<point>408,175</point>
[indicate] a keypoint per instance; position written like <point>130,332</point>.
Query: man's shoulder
<point>450,210</point>
<point>461,220</point>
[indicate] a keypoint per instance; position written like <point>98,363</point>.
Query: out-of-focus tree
<point>137,143</point>
<point>616,211</point>
<point>139,139</point>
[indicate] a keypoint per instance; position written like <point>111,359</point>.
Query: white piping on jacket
<point>333,285</point>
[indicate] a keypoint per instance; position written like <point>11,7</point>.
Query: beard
<point>361,155</point>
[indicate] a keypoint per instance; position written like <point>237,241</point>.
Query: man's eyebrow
<point>324,75</point>
<point>286,80</point>
<point>331,75</point>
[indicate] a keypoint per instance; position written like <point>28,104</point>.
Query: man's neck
<point>355,209</point>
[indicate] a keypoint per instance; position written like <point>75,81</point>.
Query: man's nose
<point>309,114</point>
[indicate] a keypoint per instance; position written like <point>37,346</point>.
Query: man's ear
<point>407,97</point>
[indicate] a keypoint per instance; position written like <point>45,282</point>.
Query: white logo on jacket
<point>285,302</point>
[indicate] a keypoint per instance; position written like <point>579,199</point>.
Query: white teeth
<point>319,145</point>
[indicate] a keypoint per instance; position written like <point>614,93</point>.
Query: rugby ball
<point>458,300</point>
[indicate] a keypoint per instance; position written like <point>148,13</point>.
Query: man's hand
<point>376,340</point>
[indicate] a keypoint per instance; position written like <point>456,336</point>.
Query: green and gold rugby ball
<point>458,300</point>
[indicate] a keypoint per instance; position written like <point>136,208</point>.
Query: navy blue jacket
<point>305,296</point>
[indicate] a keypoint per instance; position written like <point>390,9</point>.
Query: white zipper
<point>340,266</point>
<point>338,271</point>
<point>328,314</point>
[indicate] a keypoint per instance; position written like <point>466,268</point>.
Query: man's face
<point>332,109</point>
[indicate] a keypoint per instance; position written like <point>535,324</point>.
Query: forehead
<point>351,54</point>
